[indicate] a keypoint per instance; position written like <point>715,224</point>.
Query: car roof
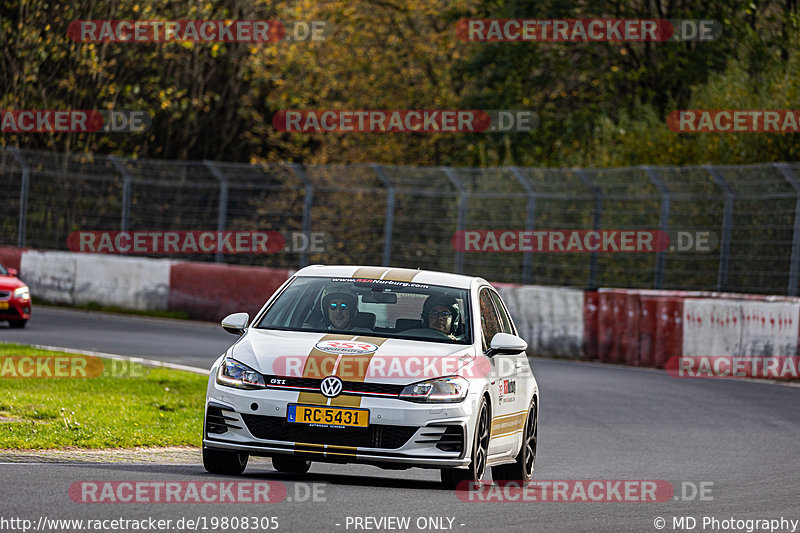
<point>427,277</point>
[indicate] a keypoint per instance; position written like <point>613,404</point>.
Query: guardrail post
<point>23,196</point>
<point>727,226</point>
<point>597,214</point>
<point>124,223</point>
<point>222,207</point>
<point>461,224</point>
<point>388,225</point>
<point>794,268</point>
<point>530,219</point>
<point>308,202</point>
<point>663,222</point>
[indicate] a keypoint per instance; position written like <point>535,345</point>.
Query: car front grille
<point>374,436</point>
<point>5,295</point>
<point>349,388</point>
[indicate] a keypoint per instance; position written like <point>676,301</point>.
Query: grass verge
<point>127,405</point>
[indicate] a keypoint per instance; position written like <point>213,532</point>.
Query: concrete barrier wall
<point>128,282</point>
<point>75,279</point>
<point>550,319</point>
<point>740,327</point>
<point>646,328</point>
<point>770,328</point>
<point>212,291</point>
<point>50,275</point>
<point>712,327</point>
<point>632,327</point>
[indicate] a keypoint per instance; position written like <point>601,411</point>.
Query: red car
<point>15,298</point>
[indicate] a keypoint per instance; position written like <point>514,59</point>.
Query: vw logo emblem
<point>331,386</point>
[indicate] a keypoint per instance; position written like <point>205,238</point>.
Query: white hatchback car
<point>392,367</point>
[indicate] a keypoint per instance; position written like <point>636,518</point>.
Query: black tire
<point>224,462</point>
<point>17,324</point>
<point>290,465</point>
<point>451,477</point>
<point>522,468</point>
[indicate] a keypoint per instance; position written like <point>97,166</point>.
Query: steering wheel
<point>441,334</point>
<point>423,333</point>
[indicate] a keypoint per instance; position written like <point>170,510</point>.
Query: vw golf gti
<point>391,367</point>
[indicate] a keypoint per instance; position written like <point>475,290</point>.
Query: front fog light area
<point>232,373</point>
<point>441,390</point>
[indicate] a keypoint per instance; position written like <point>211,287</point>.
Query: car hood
<point>9,283</point>
<point>363,358</point>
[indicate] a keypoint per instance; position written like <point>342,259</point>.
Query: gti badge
<point>331,387</point>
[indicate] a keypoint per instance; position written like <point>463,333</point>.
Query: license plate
<point>3,305</point>
<point>328,416</point>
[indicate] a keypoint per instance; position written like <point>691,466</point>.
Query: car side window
<point>505,320</point>
<point>490,322</point>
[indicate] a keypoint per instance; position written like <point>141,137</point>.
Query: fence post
<point>461,224</point>
<point>222,207</point>
<point>388,225</point>
<point>530,218</point>
<point>308,200</point>
<point>23,196</point>
<point>124,223</point>
<point>727,224</point>
<point>663,223</point>
<point>794,268</point>
<point>597,213</point>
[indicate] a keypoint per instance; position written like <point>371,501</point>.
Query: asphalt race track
<point>185,342</point>
<point>598,422</point>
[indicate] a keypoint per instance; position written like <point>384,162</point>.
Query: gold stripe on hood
<point>353,367</point>
<point>400,274</point>
<point>318,365</point>
<point>391,274</point>
<point>370,272</point>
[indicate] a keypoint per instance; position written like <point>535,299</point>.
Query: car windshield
<point>3,271</point>
<point>381,308</point>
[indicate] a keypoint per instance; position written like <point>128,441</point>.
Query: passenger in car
<point>441,313</point>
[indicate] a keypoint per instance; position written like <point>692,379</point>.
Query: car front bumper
<point>14,309</point>
<point>401,433</point>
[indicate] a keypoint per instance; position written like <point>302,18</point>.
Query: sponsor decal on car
<point>346,347</point>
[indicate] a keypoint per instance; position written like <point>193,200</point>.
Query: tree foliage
<point>599,104</point>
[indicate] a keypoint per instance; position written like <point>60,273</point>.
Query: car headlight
<point>23,293</point>
<point>234,374</point>
<point>446,390</point>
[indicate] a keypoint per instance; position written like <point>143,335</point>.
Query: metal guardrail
<point>406,216</point>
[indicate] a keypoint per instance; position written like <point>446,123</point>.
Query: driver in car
<point>441,313</point>
<point>340,310</point>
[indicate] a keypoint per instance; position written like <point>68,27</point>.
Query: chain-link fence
<point>407,216</point>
